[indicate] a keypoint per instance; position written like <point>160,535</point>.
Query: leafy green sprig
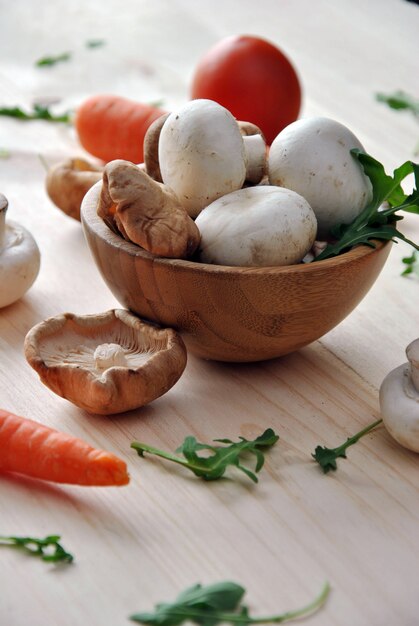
<point>95,43</point>
<point>213,466</point>
<point>39,112</point>
<point>49,548</point>
<point>412,264</point>
<point>400,101</point>
<point>376,222</point>
<point>48,61</point>
<point>327,457</point>
<point>214,604</point>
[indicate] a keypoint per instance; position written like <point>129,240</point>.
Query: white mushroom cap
<point>257,226</point>
<point>20,258</point>
<point>201,154</point>
<point>399,400</point>
<point>312,157</point>
<point>412,353</point>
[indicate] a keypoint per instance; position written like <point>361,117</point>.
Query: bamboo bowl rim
<point>89,217</point>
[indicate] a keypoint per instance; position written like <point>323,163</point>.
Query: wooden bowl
<point>232,313</point>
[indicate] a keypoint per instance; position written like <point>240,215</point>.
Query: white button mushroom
<point>312,157</point>
<point>19,258</point>
<point>201,154</point>
<point>257,226</point>
<point>399,400</point>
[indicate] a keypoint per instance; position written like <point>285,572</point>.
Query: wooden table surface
<point>142,544</point>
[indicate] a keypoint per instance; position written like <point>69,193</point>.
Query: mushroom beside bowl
<point>235,314</point>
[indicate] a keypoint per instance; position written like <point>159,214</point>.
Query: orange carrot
<point>111,127</point>
<point>32,449</point>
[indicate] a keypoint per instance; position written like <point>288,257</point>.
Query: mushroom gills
<point>98,354</point>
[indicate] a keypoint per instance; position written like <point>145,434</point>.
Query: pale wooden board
<point>281,539</point>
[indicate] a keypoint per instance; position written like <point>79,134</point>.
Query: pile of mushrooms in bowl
<point>214,237</point>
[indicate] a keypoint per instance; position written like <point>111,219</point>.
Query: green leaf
<point>400,101</point>
<point>327,457</point>
<point>48,61</point>
<point>40,547</point>
<point>214,604</point>
<point>95,43</point>
<point>376,222</point>
<point>212,466</point>
<point>39,112</point>
<point>412,263</point>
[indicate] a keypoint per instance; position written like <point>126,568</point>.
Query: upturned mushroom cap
<point>68,182</point>
<point>256,226</point>
<point>106,363</point>
<point>312,157</point>
<point>146,212</point>
<point>201,154</point>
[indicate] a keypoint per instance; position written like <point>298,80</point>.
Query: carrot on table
<point>32,449</point>
<point>111,127</point>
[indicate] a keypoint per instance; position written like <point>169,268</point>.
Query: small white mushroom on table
<point>399,400</point>
<point>19,258</point>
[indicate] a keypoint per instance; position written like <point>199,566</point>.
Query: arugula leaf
<point>213,604</point>
<point>327,457</point>
<point>95,43</point>
<point>376,222</point>
<point>40,547</point>
<point>412,263</point>
<point>39,112</point>
<point>400,100</point>
<point>213,467</point>
<point>48,61</point>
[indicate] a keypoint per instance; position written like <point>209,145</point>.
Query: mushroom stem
<point>109,355</point>
<point>255,155</point>
<point>3,209</point>
<point>412,353</point>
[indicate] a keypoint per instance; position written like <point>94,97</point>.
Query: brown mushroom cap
<point>68,182</point>
<point>151,148</point>
<point>146,212</point>
<point>106,363</point>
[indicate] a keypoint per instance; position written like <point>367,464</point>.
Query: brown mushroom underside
<point>62,351</point>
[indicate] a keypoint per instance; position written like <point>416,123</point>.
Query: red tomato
<point>253,79</point>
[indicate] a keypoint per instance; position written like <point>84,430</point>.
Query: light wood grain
<point>282,538</point>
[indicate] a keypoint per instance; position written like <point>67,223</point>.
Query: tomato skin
<point>251,78</point>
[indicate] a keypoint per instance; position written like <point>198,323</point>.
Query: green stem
<point>194,467</point>
<point>143,447</point>
<point>316,604</point>
<point>351,440</point>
